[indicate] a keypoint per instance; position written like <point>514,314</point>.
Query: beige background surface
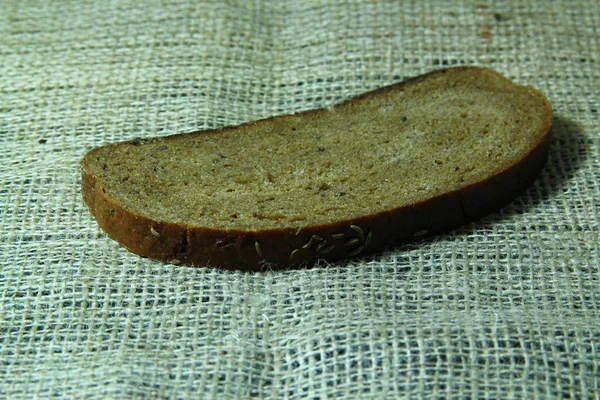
<point>507,307</point>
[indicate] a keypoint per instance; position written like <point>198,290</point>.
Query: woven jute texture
<point>505,307</point>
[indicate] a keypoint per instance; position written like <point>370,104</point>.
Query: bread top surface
<point>383,150</point>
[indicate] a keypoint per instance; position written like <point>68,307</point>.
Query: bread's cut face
<point>395,147</point>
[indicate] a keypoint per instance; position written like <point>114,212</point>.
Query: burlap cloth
<point>507,307</point>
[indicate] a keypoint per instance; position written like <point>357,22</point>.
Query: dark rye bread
<point>377,170</point>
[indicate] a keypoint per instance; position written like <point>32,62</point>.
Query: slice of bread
<point>377,170</point>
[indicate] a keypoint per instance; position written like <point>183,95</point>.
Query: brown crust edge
<point>287,247</point>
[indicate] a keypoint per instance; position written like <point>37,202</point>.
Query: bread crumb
<point>420,233</point>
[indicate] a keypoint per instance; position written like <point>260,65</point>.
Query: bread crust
<point>255,250</point>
